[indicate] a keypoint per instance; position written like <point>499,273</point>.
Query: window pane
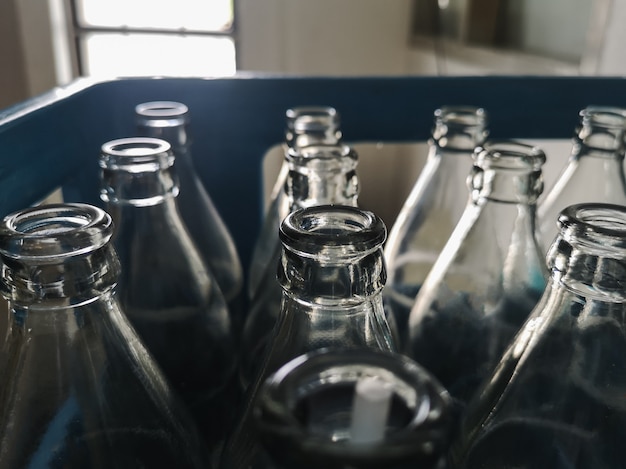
<point>200,15</point>
<point>111,54</point>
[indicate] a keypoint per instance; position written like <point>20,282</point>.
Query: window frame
<point>79,31</point>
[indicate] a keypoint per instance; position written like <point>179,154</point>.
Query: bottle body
<point>79,388</point>
<point>433,208</point>
<point>318,174</point>
<point>487,278</point>
<point>332,273</point>
<point>595,163</point>
<point>305,126</point>
<point>167,291</point>
<point>170,122</point>
<point>553,400</point>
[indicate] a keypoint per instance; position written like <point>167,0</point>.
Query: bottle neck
<point>345,280</point>
<point>319,176</point>
<point>506,185</point>
<point>590,262</point>
<point>70,282</point>
<point>141,187</point>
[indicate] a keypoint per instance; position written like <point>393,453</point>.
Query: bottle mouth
<point>136,151</point>
<point>603,225</point>
<point>308,404</point>
<point>509,155</point>
<point>332,229</point>
<point>54,231</point>
<point>162,112</point>
<point>460,128</point>
<point>604,116</point>
<point>312,118</point>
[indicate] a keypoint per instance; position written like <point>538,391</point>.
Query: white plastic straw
<point>370,410</point>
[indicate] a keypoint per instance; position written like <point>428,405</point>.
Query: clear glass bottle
<point>318,174</point>
<point>489,275</point>
<point>352,408</point>
<point>79,390</point>
<point>332,273</point>
<point>594,171</point>
<point>433,208</point>
<point>167,291</point>
<point>305,126</point>
<point>556,398</point>
<point>169,121</point>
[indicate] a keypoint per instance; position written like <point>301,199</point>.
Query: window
<point>154,37</point>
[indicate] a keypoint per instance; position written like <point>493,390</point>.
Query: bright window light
<point>125,38</point>
<point>199,15</point>
<point>126,55</point>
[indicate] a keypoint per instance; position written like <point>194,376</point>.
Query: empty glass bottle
<point>306,126</point>
<point>556,398</point>
<point>167,291</point>
<point>433,208</point>
<point>169,121</point>
<point>78,389</point>
<point>352,409</point>
<point>318,174</point>
<point>332,273</point>
<point>489,275</point>
<point>594,171</point>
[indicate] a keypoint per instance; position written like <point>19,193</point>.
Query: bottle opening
<point>313,401</point>
<point>604,116</point>
<point>313,229</point>
<point>606,219</point>
<point>127,152</point>
<point>312,118</point>
<point>161,109</point>
<point>55,230</point>
<point>509,154</point>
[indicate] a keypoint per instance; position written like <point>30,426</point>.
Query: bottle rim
<point>595,219</point>
<point>54,231</point>
<point>312,118</point>
<point>283,392</point>
<point>161,109</point>
<point>313,230</point>
<point>509,154</point>
<point>123,152</point>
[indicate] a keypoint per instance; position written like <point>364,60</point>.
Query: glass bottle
<point>305,126</point>
<point>332,273</point>
<point>595,164</point>
<point>169,121</point>
<point>433,208</point>
<point>556,398</point>
<point>79,390</point>
<point>318,174</point>
<point>168,293</point>
<point>352,409</point>
<point>489,275</point>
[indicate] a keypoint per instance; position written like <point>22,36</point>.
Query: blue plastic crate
<point>53,140</point>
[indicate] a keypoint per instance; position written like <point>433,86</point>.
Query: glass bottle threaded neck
<point>601,132</point>
<point>507,171</point>
<point>322,174</point>
<point>589,253</point>
<point>137,171</point>
<point>459,129</point>
<point>57,251</point>
<point>309,125</point>
<point>332,253</point>
<point>167,120</point>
